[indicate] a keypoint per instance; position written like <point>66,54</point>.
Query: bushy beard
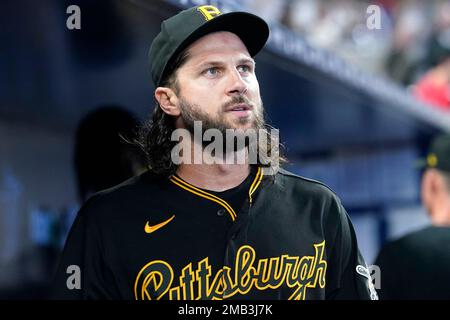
<point>191,112</point>
<point>262,143</point>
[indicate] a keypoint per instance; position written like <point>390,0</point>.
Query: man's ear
<point>425,186</point>
<point>427,189</point>
<point>432,185</point>
<point>168,101</point>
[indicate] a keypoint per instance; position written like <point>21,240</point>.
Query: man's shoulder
<point>305,186</point>
<point>425,238</point>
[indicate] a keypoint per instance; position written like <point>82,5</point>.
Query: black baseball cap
<point>181,30</point>
<point>438,156</point>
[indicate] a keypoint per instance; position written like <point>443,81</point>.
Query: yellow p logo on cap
<point>432,160</point>
<point>209,12</point>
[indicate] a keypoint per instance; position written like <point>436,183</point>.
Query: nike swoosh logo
<point>149,229</point>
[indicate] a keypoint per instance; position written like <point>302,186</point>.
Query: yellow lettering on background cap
<point>209,12</point>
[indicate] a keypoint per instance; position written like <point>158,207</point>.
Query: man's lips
<point>240,110</point>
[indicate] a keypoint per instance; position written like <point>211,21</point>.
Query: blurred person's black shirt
<point>416,266</point>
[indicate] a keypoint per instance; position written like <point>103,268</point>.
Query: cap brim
<point>251,29</point>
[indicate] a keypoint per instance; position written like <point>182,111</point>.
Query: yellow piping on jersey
<point>253,187</point>
<point>201,193</point>
<point>188,187</point>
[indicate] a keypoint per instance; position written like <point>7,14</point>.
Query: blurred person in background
<point>409,40</point>
<point>434,87</point>
<point>103,157</point>
<point>340,26</point>
<point>417,266</point>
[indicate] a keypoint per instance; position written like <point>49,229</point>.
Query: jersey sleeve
<point>82,272</point>
<point>348,277</point>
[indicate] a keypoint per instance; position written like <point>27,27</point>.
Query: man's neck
<point>214,177</point>
<point>440,214</point>
<point>441,220</point>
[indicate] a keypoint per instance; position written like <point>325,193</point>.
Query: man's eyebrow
<point>247,60</point>
<point>213,63</point>
<point>209,63</point>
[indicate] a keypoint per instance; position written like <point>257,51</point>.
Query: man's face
<point>218,86</point>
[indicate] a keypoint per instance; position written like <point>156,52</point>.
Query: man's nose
<point>237,85</point>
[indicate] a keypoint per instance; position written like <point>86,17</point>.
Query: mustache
<point>236,100</point>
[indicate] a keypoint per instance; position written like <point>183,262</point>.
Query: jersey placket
<point>238,229</point>
<point>238,221</point>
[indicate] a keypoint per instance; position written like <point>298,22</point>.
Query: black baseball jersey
<point>155,237</point>
<point>416,266</point>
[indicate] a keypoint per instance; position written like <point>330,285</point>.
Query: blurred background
<point>357,89</point>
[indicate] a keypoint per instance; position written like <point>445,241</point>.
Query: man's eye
<point>244,69</point>
<point>211,71</point>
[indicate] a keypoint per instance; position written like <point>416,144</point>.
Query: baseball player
<point>417,265</point>
<point>211,231</point>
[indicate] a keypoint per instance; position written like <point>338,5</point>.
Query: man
<point>417,266</point>
<point>434,87</point>
<point>212,229</point>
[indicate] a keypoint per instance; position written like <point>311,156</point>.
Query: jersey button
<point>221,212</point>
